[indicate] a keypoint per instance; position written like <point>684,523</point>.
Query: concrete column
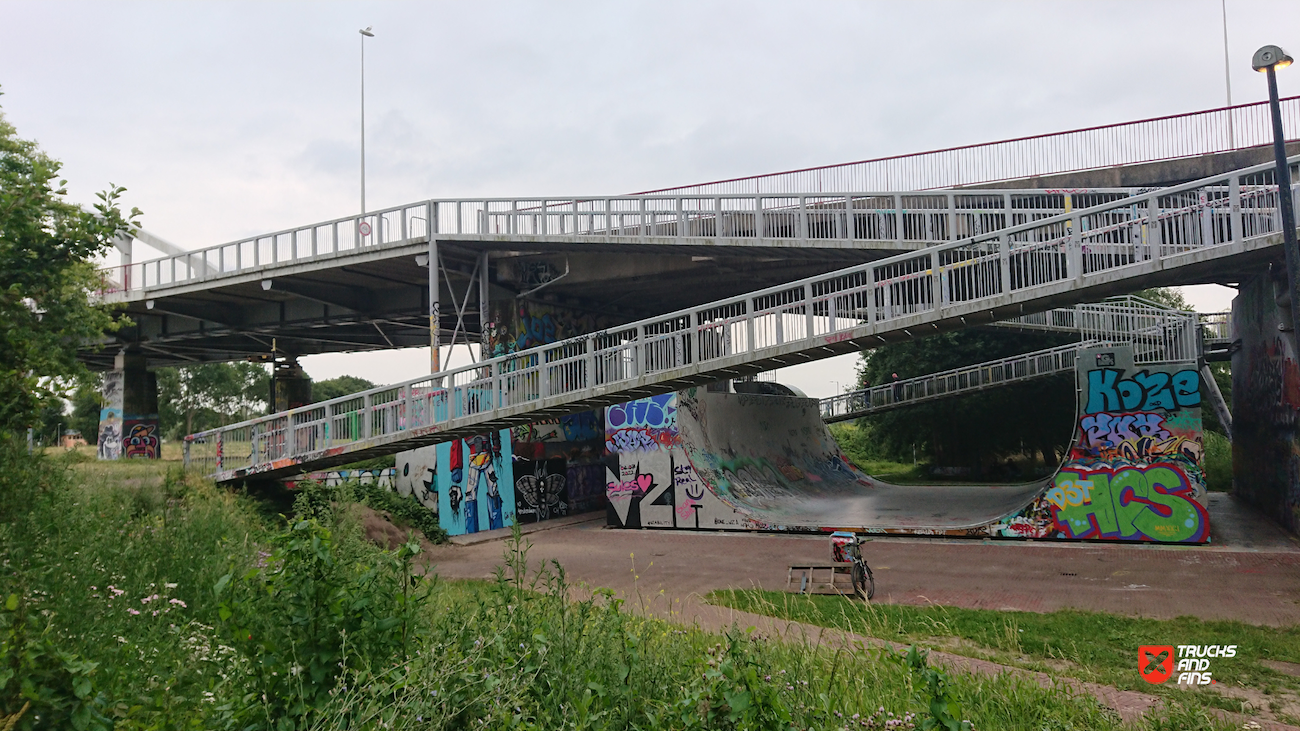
<point>128,421</point>
<point>1266,402</point>
<point>290,385</point>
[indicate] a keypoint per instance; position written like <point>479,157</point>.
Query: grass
<point>1090,646</point>
<point>123,617</point>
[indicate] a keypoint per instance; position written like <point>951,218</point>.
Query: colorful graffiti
<point>661,489</point>
<point>1140,436</point>
<point>527,324</point>
<point>580,427</point>
<point>1134,470</point>
<point>1147,391</point>
<point>383,477</point>
<point>110,416</point>
<point>643,425</point>
<point>1156,503</point>
<point>141,440</point>
<point>462,481</point>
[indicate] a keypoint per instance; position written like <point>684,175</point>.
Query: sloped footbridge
<point>1177,235</point>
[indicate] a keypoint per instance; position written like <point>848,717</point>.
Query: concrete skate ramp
<point>773,459</point>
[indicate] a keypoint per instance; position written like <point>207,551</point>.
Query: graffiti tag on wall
<point>643,425</point>
<point>141,440</point>
<point>1146,391</point>
<point>1129,503</point>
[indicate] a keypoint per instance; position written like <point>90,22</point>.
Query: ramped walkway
<point>1251,573</point>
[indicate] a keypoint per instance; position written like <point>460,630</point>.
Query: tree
<point>46,277</point>
<point>86,405</point>
<point>976,430</point>
<point>208,395</point>
<point>335,387</point>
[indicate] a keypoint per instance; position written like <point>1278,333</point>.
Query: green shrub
<point>1218,462</point>
<point>311,611</point>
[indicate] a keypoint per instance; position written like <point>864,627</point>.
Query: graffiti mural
<point>520,324</point>
<point>1156,503</point>
<point>581,427</point>
<point>469,492</point>
<point>110,416</point>
<point>643,425</point>
<point>540,492</point>
<point>332,478</point>
<point>141,439</point>
<point>416,475</point>
<point>1134,470</point>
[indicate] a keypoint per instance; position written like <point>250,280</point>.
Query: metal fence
<point>1055,256</point>
<point>1157,335</point>
<point>897,220</point>
<point>1147,140</point>
<point>966,379</point>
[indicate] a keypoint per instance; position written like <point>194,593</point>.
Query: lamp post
<point>1267,60</point>
<point>365,33</point>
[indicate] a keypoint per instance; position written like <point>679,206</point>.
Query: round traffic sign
<point>365,228</point>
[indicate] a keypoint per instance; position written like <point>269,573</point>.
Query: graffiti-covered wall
<point>468,482</point>
<point>1134,472</point>
<point>651,482</point>
<point>1265,404</point>
<point>559,462</point>
<point>110,416</point>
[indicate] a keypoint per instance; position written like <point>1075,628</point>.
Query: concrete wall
<point>1265,402</point>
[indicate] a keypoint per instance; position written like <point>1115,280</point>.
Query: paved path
<point>1251,573</point>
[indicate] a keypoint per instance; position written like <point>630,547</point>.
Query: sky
<point>225,120</point>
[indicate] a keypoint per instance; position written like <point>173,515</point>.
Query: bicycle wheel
<point>864,584</point>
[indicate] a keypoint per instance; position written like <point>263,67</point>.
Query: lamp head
<point>1270,57</point>
<point>366,32</point>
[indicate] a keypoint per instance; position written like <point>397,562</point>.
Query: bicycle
<point>847,548</point>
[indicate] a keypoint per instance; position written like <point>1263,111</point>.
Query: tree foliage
<point>335,387</point>
<point>46,277</point>
<point>204,396</point>
<point>977,430</point>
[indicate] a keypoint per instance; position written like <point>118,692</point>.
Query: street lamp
<point>365,33</point>
<point>1267,60</point>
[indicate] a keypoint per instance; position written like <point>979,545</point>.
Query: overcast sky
<point>226,120</point>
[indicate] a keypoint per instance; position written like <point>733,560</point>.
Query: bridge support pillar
<point>128,420</point>
<point>1266,401</point>
<point>290,385</point>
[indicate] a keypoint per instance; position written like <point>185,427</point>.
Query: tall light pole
<point>1267,60</point>
<point>365,33</point>
<point>1227,74</point>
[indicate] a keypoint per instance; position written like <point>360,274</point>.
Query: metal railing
<point>1067,256</point>
<point>1157,335</point>
<point>1147,140</point>
<point>900,220</point>
<point>953,382</point>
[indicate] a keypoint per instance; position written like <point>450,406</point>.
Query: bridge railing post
<point>366,427</point>
<point>1234,211</point>
<point>1004,264</point>
<point>809,327</point>
<point>936,282</point>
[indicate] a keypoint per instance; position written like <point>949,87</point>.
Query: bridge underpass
<point>1221,227</point>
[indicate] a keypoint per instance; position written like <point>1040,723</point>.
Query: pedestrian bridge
<point>1177,235</point>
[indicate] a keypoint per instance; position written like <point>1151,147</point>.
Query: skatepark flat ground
<point>1250,572</point>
